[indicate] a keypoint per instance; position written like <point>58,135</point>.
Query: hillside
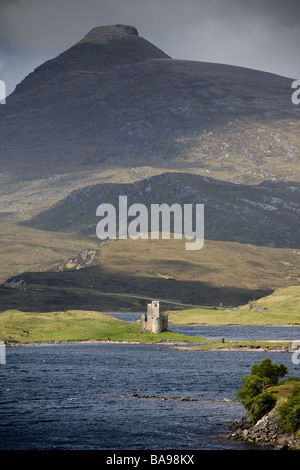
<point>284,300</point>
<point>264,214</point>
<point>115,100</point>
<point>281,307</point>
<point>115,115</point>
<point>130,272</point>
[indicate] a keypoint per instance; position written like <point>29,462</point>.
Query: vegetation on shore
<point>273,408</point>
<point>80,325</point>
<point>76,325</point>
<point>262,391</point>
<point>90,325</point>
<point>255,394</point>
<point>244,345</point>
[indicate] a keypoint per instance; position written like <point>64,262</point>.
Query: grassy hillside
<point>26,249</point>
<point>285,300</point>
<point>282,307</point>
<point>229,317</point>
<point>74,325</point>
<point>126,273</point>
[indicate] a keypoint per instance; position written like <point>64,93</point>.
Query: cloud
<point>261,34</point>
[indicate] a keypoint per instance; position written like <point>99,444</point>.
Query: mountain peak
<point>100,34</point>
<point>115,99</point>
<point>103,48</point>
<point>112,46</point>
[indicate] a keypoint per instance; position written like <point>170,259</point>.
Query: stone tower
<point>153,320</point>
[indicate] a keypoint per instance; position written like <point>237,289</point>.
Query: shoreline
<point>182,346</point>
<point>268,431</point>
<point>269,325</point>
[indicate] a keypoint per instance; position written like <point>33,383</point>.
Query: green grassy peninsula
<point>77,325</point>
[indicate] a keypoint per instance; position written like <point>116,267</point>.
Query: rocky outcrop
<point>268,431</point>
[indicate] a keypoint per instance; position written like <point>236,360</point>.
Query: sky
<point>258,34</point>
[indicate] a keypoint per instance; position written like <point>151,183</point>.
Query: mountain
<point>126,274</point>
<point>115,115</point>
<point>115,100</point>
<point>264,214</point>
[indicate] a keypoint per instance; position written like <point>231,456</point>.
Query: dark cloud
<point>260,34</point>
<point>285,12</point>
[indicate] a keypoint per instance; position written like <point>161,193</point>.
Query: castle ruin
<point>154,320</point>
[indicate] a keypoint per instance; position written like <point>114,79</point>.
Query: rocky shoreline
<point>267,431</point>
<point>175,345</point>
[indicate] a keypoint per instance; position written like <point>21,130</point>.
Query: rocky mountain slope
<point>115,115</point>
<point>264,214</point>
<point>115,100</point>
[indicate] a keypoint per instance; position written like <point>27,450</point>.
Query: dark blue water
<point>276,333</point>
<point>79,396</point>
<point>249,333</point>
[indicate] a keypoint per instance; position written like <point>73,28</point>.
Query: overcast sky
<point>259,34</point>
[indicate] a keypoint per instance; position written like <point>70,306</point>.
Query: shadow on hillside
<point>262,215</point>
<point>84,289</point>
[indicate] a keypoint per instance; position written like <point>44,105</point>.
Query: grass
<point>76,325</point>
<point>242,345</point>
<point>128,270</point>
<point>282,393</point>
<point>160,269</point>
<point>283,389</point>
<point>285,300</point>
<point>282,307</point>
<point>232,317</point>
<point>25,249</point>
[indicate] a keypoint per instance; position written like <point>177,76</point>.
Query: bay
<point>87,396</point>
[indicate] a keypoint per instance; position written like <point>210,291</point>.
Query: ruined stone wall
<point>144,321</point>
<point>165,323</point>
<point>149,317</point>
<point>156,318</point>
<point>153,320</point>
